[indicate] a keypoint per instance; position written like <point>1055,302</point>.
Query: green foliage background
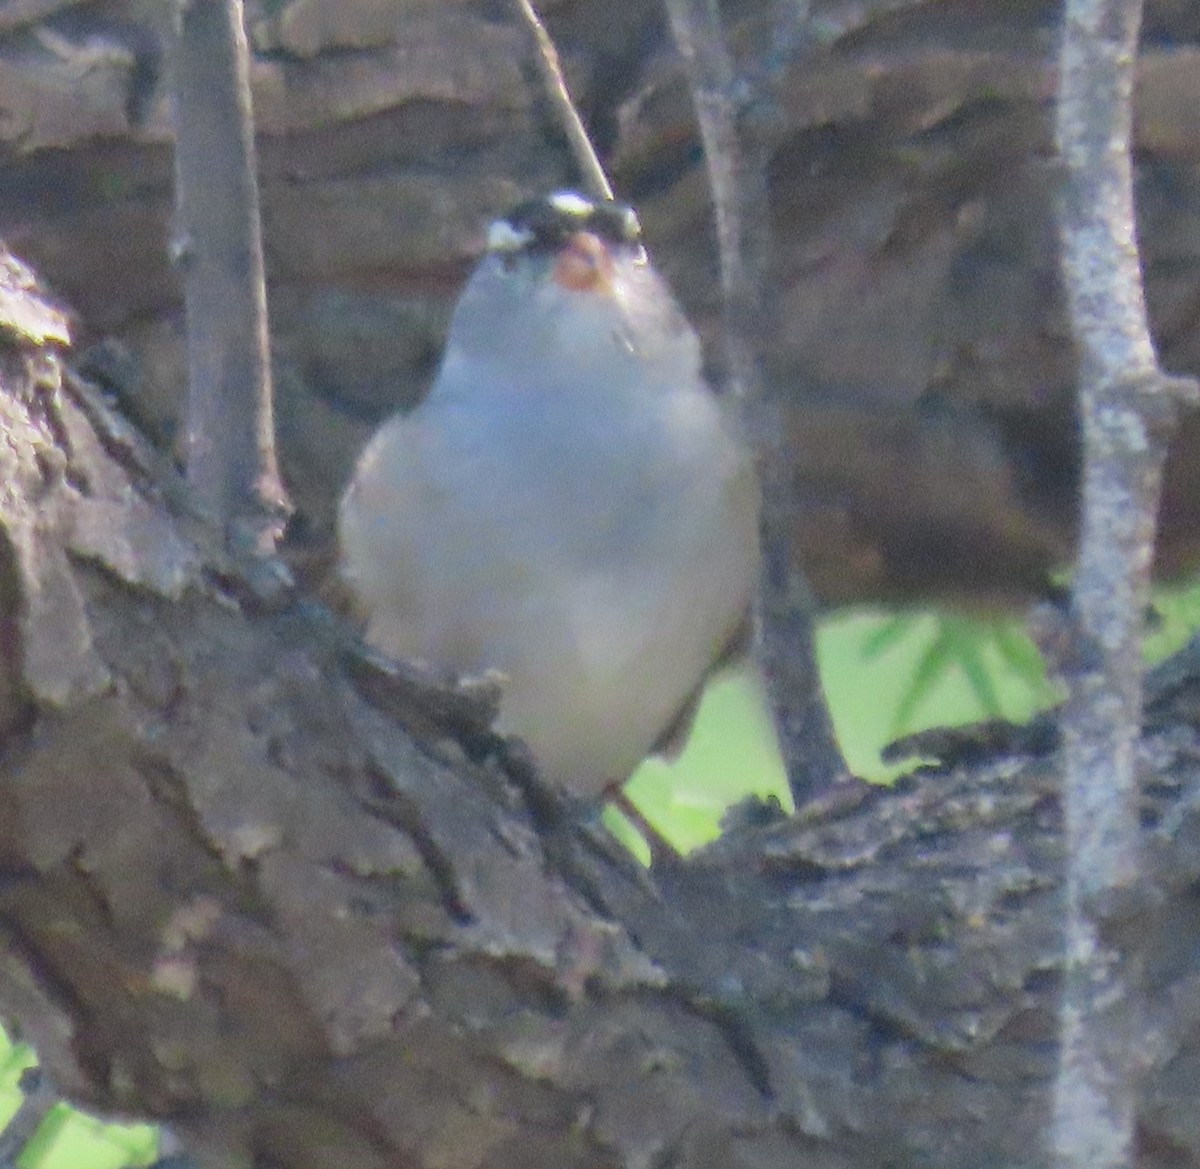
<point>886,674</point>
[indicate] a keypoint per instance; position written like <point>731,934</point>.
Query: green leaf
<point>890,633</point>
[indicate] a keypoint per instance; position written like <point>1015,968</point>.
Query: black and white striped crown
<point>545,224</point>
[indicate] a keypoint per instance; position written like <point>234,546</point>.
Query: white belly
<point>602,603</point>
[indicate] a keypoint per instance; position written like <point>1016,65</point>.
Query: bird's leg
<point>662,851</point>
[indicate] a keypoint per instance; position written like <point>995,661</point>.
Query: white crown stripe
<point>569,203</point>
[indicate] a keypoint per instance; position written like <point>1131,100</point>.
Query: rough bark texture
<point>236,896</point>
<point>308,929</point>
<point>923,377</point>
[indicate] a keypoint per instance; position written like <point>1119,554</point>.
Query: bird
<point>571,508</point>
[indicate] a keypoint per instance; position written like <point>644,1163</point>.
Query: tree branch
<point>786,610</point>
<point>240,898</point>
<point>595,181</point>
<point>1127,408</point>
<point>231,462</point>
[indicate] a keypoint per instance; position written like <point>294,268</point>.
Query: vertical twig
<point>1127,407</point>
<point>595,181</point>
<point>230,429</point>
<point>738,187</point>
<point>786,610</point>
<point>37,1100</point>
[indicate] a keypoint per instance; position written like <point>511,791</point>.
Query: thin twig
<point>594,179</point>
<point>696,27</point>
<point>1127,407</point>
<point>786,611</point>
<point>231,462</point>
<point>39,1097</point>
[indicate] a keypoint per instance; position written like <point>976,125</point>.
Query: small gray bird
<point>571,506</point>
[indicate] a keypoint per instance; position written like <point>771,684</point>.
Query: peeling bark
<point>237,897</point>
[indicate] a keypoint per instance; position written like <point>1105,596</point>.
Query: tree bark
<point>1127,408</point>
<point>926,389</point>
<point>238,897</point>
<point>231,462</point>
